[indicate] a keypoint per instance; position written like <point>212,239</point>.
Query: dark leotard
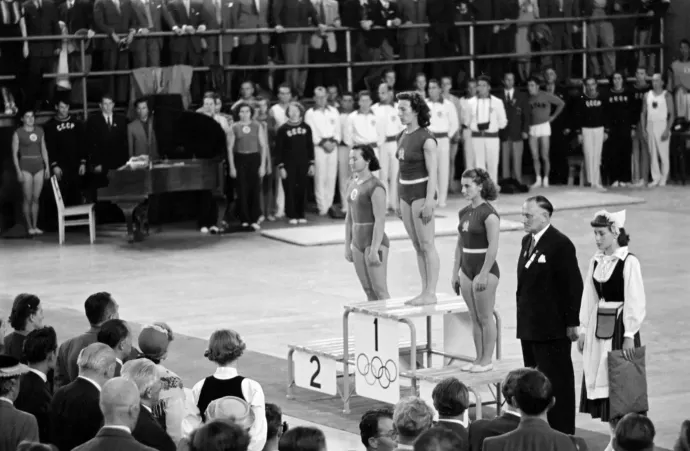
<point>30,153</point>
<point>362,212</point>
<point>413,177</point>
<point>475,241</point>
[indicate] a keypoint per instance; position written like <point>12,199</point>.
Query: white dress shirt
<point>279,114</point>
<point>108,119</point>
<point>344,125</point>
<point>387,114</point>
<point>254,395</point>
<point>324,123</point>
<point>457,103</point>
<point>444,117</point>
<point>363,129</point>
<point>484,110</point>
<point>537,236</point>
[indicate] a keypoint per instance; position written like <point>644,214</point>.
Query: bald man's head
<point>120,402</point>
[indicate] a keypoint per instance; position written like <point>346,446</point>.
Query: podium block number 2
<point>315,373</point>
<point>376,358</point>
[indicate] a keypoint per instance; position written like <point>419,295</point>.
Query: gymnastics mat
<point>322,235</point>
<point>565,199</point>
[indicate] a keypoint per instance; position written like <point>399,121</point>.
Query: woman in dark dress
<point>614,281</point>
<point>26,316</point>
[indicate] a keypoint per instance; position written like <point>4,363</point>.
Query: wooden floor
<point>274,293</point>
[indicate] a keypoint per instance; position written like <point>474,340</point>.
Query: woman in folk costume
<point>613,285</point>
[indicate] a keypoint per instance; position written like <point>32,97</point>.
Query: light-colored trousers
<point>658,151</point>
<point>592,144</point>
<point>682,100</point>
<point>487,152</point>
<point>343,175</point>
<point>443,147</point>
<point>389,172</point>
<point>325,174</point>
<point>640,157</point>
<point>467,151</point>
<point>280,195</point>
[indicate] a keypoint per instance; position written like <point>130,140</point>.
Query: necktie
<point>109,121</point>
<point>147,8</point>
<point>532,245</point>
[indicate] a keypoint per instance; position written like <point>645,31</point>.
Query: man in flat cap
<point>15,425</point>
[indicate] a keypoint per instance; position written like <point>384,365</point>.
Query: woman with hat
<point>15,425</point>
<point>26,316</point>
<point>613,289</point>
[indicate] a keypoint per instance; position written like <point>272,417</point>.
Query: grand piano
<point>192,147</point>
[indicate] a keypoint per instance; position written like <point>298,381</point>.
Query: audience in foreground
<point>377,431</point>
<point>634,432</point>
<point>303,438</point>
<point>451,400</point>
<point>439,439</point>
<point>412,417</point>
<point>15,425</point>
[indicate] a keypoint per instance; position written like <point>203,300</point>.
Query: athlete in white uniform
<point>386,112</point>
<point>679,81</point>
<point>657,120</point>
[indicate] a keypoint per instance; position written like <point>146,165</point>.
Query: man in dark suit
<point>40,353</point>
<point>377,431</point>
<point>145,375</point>
<point>253,48</point>
<point>562,32</point>
<point>412,417</point>
<point>185,47</point>
<point>116,334</point>
<point>219,15</point>
<point>15,425</point>
<point>514,134</point>
<point>99,308</point>
<point>41,17</point>
<point>412,40</point>
<point>115,18</point>
<point>119,405</point>
<point>549,291</point>
<point>151,15</point>
<point>438,439</point>
<point>451,400</point>
<point>534,396</point>
<point>77,15</point>
<point>506,422</point>
<point>379,20</point>
<point>75,416</point>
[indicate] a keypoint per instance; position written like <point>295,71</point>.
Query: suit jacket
<point>247,17</point>
<point>109,19</point>
<point>75,416</point>
<point>148,432</point>
<point>66,369</point>
<point>531,435</point>
<point>414,11</point>
<point>34,398</point>
<point>549,288</point>
<point>328,12</point>
<point>482,429</point>
<point>552,9</point>
<point>159,16</point>
<point>110,439</point>
<point>517,114</point>
<point>379,15</point>
<point>79,16</point>
<point>227,21</point>
<point>292,14</point>
<point>180,18</point>
<point>588,7</point>
<point>107,146</point>
<point>42,22</point>
<point>15,427</point>
<point>459,429</point>
<point>140,142</point>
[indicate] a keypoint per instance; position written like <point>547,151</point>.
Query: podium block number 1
<point>376,358</point>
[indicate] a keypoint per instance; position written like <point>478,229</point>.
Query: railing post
<point>472,61</point>
<point>220,49</point>
<point>348,59</point>
<point>584,47</point>
<point>84,78</point>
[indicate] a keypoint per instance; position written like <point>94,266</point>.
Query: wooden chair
<point>64,213</point>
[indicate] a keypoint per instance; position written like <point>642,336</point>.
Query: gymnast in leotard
<point>366,243</point>
<point>417,189</point>
<point>475,272</point>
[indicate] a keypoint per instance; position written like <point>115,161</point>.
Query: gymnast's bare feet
<point>423,299</point>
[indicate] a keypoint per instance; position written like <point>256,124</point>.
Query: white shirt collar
<point>619,254</point>
<point>118,427</point>
<point>119,361</point>
<point>510,412</point>
<point>147,408</point>
<point>537,236</point>
<point>405,447</point>
<point>510,91</point>
<point>225,372</point>
<point>39,374</point>
<point>95,384</point>
<point>2,398</point>
<point>452,420</point>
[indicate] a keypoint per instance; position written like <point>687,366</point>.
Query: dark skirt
<point>600,408</point>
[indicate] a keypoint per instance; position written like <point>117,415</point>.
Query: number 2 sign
<point>315,373</point>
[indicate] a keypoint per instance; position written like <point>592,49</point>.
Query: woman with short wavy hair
<point>475,271</point>
<point>26,316</point>
<point>225,347</point>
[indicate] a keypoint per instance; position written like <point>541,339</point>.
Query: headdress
<point>615,221</point>
<point>10,367</point>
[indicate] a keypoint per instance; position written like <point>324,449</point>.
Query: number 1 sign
<point>376,358</point>
<point>315,373</point>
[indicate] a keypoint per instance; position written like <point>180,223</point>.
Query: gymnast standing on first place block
<point>366,243</point>
<point>417,155</point>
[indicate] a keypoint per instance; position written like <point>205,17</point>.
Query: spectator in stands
<point>99,308</point>
<point>533,397</point>
<point>220,436</point>
<point>648,31</point>
<point>437,439</point>
<point>657,120</point>
<point>378,21</point>
<point>412,417</point>
<point>412,41</point>
<point>150,15</point>
<point>185,47</point>
<point>154,341</point>
<point>347,105</point>
<point>247,95</point>
<point>276,427</point>
<point>119,409</point>
<point>77,16</point>
<point>620,107</point>
<point>562,32</point>
<point>377,431</point>
<point>147,430</point>
<point>386,113</point>
<point>218,15</point>
<point>15,425</point>
<point>75,415</point>
<point>514,134</point>
<point>420,84</point>
<point>444,124</point>
<point>543,108</point>
<point>303,439</point>
<point>679,82</point>
<point>528,11</point>
<point>451,401</point>
<point>324,45</point>
<point>600,34</point>
<point>41,19</point>
<point>634,432</point>
<point>509,419</point>
<point>253,48</point>
<point>40,353</point>
<point>325,132</point>
<point>683,442</point>
<point>225,347</point>
<point>590,121</point>
<point>26,316</point>
<point>116,334</point>
<point>30,159</point>
<point>485,116</point>
<point>441,36</point>
<point>640,153</point>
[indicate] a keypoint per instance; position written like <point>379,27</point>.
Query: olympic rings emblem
<point>376,371</point>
